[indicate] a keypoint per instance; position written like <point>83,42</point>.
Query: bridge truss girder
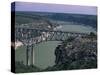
<point>29,37</point>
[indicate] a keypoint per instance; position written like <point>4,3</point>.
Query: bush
<point>21,68</point>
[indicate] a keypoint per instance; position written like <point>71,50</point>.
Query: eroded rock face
<point>60,53</point>
<point>78,54</point>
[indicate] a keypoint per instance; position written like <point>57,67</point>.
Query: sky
<point>58,8</point>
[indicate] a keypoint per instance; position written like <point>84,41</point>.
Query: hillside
<point>76,53</point>
<point>28,17</point>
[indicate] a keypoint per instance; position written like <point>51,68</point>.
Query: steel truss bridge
<point>31,36</point>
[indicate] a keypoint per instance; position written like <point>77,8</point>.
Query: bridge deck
<point>46,30</point>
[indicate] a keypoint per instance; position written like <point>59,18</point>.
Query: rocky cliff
<point>77,53</point>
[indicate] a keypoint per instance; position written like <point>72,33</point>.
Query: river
<point>44,52</point>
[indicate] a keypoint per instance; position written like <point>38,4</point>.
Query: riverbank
<point>18,44</point>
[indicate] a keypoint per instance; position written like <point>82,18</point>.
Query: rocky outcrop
<point>81,53</point>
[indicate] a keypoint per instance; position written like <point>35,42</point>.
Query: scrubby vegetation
<point>22,68</point>
<point>81,53</point>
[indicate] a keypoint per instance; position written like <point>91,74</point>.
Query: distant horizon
<point>57,13</point>
<point>54,8</point>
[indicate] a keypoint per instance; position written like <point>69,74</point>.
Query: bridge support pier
<point>27,49</point>
<point>29,55</point>
<point>32,57</point>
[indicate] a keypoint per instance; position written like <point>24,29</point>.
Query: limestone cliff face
<point>81,53</point>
